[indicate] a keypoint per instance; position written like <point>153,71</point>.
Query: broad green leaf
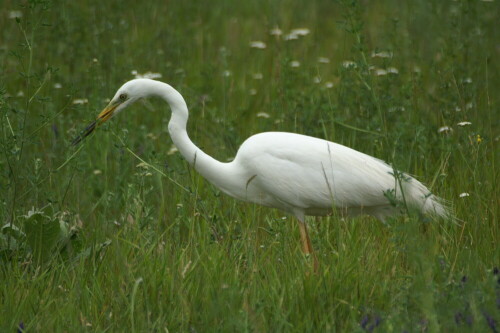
<point>42,234</point>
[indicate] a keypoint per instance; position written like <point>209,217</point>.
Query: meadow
<point>120,234</point>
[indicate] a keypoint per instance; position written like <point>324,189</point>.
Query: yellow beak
<point>101,118</point>
<point>107,113</point>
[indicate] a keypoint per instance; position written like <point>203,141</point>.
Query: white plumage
<point>299,174</point>
<point>308,176</point>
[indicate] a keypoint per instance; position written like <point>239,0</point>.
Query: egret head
<point>126,95</point>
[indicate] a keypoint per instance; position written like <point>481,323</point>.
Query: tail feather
<point>436,206</point>
<point>419,197</point>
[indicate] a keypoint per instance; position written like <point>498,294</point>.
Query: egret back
<point>293,171</point>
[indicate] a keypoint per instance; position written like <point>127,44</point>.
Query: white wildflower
<point>300,31</point>
<point>464,123</point>
<point>80,101</point>
<point>142,165</point>
<point>173,149</point>
<point>147,75</point>
<point>13,14</point>
<point>263,115</point>
<point>226,73</point>
<point>294,64</point>
<point>276,32</point>
<point>57,86</point>
<point>396,108</point>
<point>97,172</point>
<point>258,44</point>
<point>444,129</point>
<point>296,33</point>
<point>349,64</point>
<point>382,54</point>
<point>317,79</point>
<point>291,37</point>
<point>323,60</point>
<point>463,195</point>
<point>392,70</point>
<point>150,75</point>
<point>329,84</point>
<point>380,72</point>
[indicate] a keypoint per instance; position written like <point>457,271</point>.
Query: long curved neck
<point>207,166</point>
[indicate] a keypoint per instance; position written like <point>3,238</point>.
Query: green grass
<point>122,247</point>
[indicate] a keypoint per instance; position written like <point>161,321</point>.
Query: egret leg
<point>306,241</point>
<point>306,244</point>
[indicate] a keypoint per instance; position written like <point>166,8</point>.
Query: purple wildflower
<point>491,322</point>
<point>364,321</point>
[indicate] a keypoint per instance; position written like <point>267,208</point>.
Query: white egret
<point>298,174</point>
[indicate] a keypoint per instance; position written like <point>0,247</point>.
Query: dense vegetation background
<point>119,233</point>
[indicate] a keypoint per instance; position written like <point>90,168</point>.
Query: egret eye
<point>123,97</point>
